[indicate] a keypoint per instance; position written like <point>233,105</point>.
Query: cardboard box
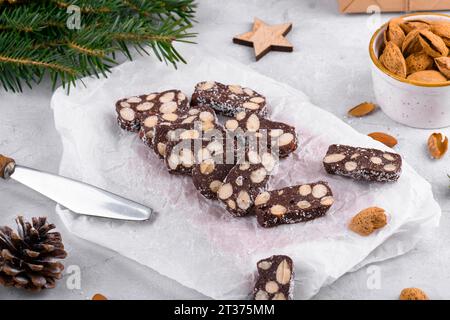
<point>359,6</point>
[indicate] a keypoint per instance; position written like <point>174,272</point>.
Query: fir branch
<point>86,51</point>
<point>35,63</point>
<point>34,38</point>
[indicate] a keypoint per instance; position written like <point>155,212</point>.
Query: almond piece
<point>394,33</point>
<point>368,220</point>
<point>418,61</point>
<point>433,44</point>
<point>427,76</point>
<point>278,210</point>
<point>237,89</point>
<point>413,294</point>
<point>225,191</point>
<point>283,273</point>
<point>443,64</point>
<point>261,295</point>
<point>265,265</point>
<point>303,204</point>
<point>393,60</point>
<point>206,85</point>
<point>262,198</point>
<point>243,200</point>
<point>362,109</point>
<point>415,24</point>
<point>442,29</point>
<point>167,97</point>
<point>127,114</point>
<point>384,138</point>
<point>258,175</point>
<point>253,123</point>
<point>437,145</point>
<point>272,287</point>
<point>285,139</point>
<point>215,185</point>
<point>411,44</point>
<point>207,167</point>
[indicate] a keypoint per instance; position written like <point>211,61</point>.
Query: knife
<point>76,196</point>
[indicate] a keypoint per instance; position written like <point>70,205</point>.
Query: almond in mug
<point>427,76</point>
<point>443,64</point>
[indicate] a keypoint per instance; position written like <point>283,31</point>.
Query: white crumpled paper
<point>193,240</point>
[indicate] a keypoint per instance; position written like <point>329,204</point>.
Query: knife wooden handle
<point>7,166</point>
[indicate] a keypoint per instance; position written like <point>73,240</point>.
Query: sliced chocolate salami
<point>165,133</point>
<point>181,156</point>
<point>275,279</point>
<point>213,167</point>
<point>133,110</point>
<point>244,182</point>
<point>293,204</point>
<point>200,118</point>
<point>152,120</point>
<point>208,177</point>
<point>276,136</point>
<point>228,100</point>
<point>363,163</point>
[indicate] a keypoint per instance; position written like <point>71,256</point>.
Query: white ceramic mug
<point>409,102</point>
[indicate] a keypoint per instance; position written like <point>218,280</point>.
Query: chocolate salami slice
<point>208,177</point>
<point>228,100</point>
<point>133,110</point>
<point>152,120</point>
<point>193,147</point>
<point>293,204</point>
<point>363,163</point>
<point>275,279</point>
<point>278,137</point>
<point>243,183</point>
<point>198,118</point>
<point>213,167</point>
<point>165,133</point>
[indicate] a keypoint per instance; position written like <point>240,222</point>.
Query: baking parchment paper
<point>194,240</point>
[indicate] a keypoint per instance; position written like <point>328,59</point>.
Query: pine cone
<point>28,257</point>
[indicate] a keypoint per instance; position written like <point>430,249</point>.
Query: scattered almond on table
<point>368,220</point>
<point>437,145</point>
<point>413,294</point>
<point>99,296</point>
<point>362,109</point>
<point>384,138</point>
<point>417,50</point>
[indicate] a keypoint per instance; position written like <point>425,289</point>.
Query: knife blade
<point>77,196</point>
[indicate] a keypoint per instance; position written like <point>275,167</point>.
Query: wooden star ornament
<point>264,38</point>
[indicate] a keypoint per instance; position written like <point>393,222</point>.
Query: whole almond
<point>413,294</point>
<point>411,44</point>
<point>418,61</point>
<point>394,33</point>
<point>415,24</point>
<point>443,64</point>
<point>393,60</point>
<point>368,220</point>
<point>437,145</point>
<point>384,138</point>
<point>433,44</point>
<point>428,76</point>
<point>362,109</point>
<point>99,296</point>
<point>442,29</point>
